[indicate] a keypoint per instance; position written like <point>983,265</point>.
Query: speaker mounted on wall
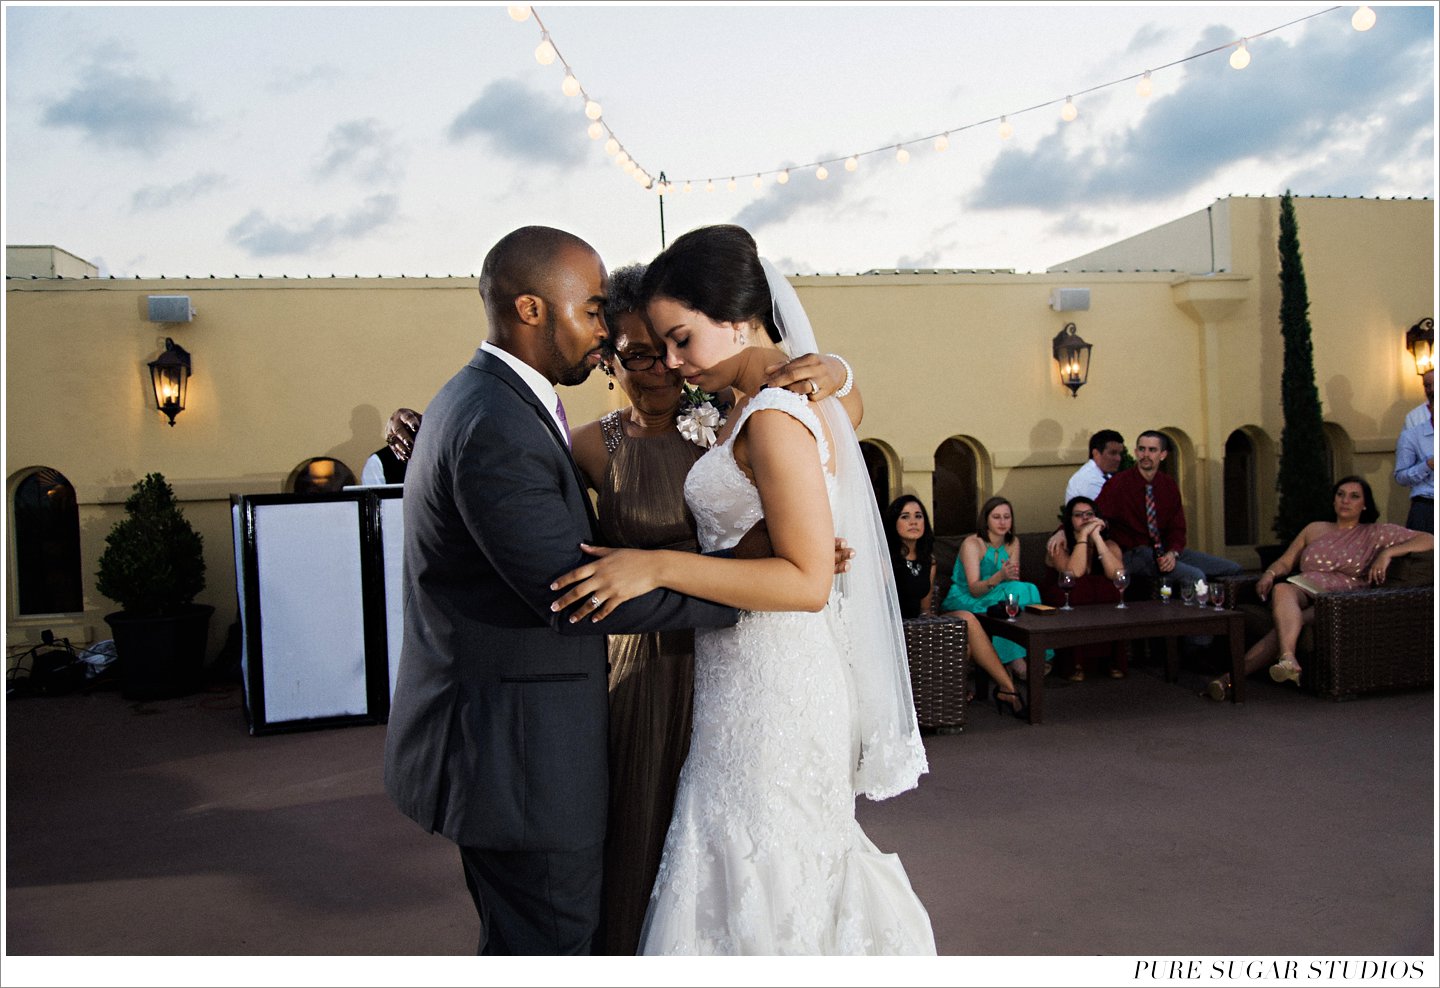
<point>1070,299</point>
<point>170,308</point>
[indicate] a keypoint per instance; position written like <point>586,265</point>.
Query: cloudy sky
<point>405,140</point>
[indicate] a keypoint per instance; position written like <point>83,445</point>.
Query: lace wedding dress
<point>764,855</point>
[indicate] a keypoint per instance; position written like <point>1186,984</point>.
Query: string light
<point>687,188</point>
<point>709,185</point>
<point>611,146</point>
<point>547,53</point>
<point>730,185</point>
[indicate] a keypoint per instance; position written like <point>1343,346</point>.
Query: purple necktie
<point>564,422</point>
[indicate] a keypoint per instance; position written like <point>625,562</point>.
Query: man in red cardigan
<point>1143,514</point>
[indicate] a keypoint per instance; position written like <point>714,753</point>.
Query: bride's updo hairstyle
<point>714,270</point>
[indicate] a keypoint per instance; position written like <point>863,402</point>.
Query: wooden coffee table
<point>1093,623</point>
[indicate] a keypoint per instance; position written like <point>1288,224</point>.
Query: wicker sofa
<point>1363,641</point>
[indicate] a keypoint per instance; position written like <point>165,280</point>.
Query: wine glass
<point>1202,594</point>
<point>1012,606</point>
<point>1187,593</point>
<point>1067,580</point>
<point>1166,590</point>
<point>1217,594</point>
<point>1121,581</point>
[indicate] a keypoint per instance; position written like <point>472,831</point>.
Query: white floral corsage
<point>700,417</point>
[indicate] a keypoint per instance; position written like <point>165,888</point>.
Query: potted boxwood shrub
<point>153,566</point>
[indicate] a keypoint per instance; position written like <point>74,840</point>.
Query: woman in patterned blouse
<point>1349,553</point>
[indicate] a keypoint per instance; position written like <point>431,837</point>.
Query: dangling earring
<point>609,385</point>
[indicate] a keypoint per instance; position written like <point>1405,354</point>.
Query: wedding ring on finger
<point>595,602</point>
<point>814,387</point>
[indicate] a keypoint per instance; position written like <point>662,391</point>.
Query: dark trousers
<point>535,902</point>
<point>1422,515</point>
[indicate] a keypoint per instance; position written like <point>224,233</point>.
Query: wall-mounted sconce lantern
<point>1072,356</point>
<point>170,376</point>
<point>1420,341</point>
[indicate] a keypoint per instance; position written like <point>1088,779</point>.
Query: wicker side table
<point>939,671</point>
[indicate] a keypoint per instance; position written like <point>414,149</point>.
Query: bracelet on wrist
<point>844,389</point>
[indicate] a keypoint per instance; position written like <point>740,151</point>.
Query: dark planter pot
<point>161,656</point>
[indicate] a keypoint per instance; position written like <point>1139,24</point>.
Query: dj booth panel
<point>319,586</point>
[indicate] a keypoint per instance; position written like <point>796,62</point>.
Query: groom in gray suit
<point>497,733</point>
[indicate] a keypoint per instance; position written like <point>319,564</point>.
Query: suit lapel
<point>497,368</point>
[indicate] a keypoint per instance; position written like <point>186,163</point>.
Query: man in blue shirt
<point>1415,462</point>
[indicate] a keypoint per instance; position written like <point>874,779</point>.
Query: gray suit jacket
<point>498,730</point>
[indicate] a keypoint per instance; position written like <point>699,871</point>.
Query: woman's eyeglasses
<point>1082,515</point>
<point>639,361</point>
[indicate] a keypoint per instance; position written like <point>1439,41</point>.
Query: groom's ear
<point>530,309</point>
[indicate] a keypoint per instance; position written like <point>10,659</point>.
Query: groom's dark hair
<point>522,263</point>
<point>714,270</point>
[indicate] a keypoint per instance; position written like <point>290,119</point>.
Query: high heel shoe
<point>1287,669</point>
<point>1003,706</point>
<point>1220,689</point>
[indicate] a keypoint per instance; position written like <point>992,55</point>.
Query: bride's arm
<point>785,463</point>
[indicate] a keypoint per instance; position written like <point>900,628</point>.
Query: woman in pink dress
<point>1349,553</point>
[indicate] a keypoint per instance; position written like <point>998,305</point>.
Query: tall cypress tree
<point>1304,480</point>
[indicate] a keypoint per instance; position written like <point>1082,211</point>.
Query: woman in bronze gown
<point>636,460</point>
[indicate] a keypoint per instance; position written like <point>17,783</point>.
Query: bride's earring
<point>741,339</point>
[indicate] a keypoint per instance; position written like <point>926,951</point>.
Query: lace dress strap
<point>796,406</point>
<point>612,430</point>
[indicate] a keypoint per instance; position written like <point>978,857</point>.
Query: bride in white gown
<point>804,703</point>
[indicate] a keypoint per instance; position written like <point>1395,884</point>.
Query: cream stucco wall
<point>287,369</point>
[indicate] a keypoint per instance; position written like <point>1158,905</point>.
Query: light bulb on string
<point>730,185</point>
<point>518,11</point>
<point>783,177</point>
<point>1007,129</point>
<point>709,185</point>
<point>852,163</point>
<point>621,158</point>
<point>757,183</point>
<point>628,166</point>
<point>688,188</point>
<point>571,85</point>
<point>1069,111</point>
<point>1143,87</point>
<point>1240,57</point>
<point>545,51</point>
<point>822,173</point>
<point>942,142</point>
<point>612,146</point>
<point>1363,19</point>
<point>902,156</point>
<point>592,109</point>
<point>596,131</point>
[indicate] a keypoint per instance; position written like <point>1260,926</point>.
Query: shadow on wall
<point>1340,407</point>
<point>367,434</point>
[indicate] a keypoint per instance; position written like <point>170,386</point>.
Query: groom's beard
<point>565,373</point>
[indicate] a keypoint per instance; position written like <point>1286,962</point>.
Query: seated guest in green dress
<point>987,569</point>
